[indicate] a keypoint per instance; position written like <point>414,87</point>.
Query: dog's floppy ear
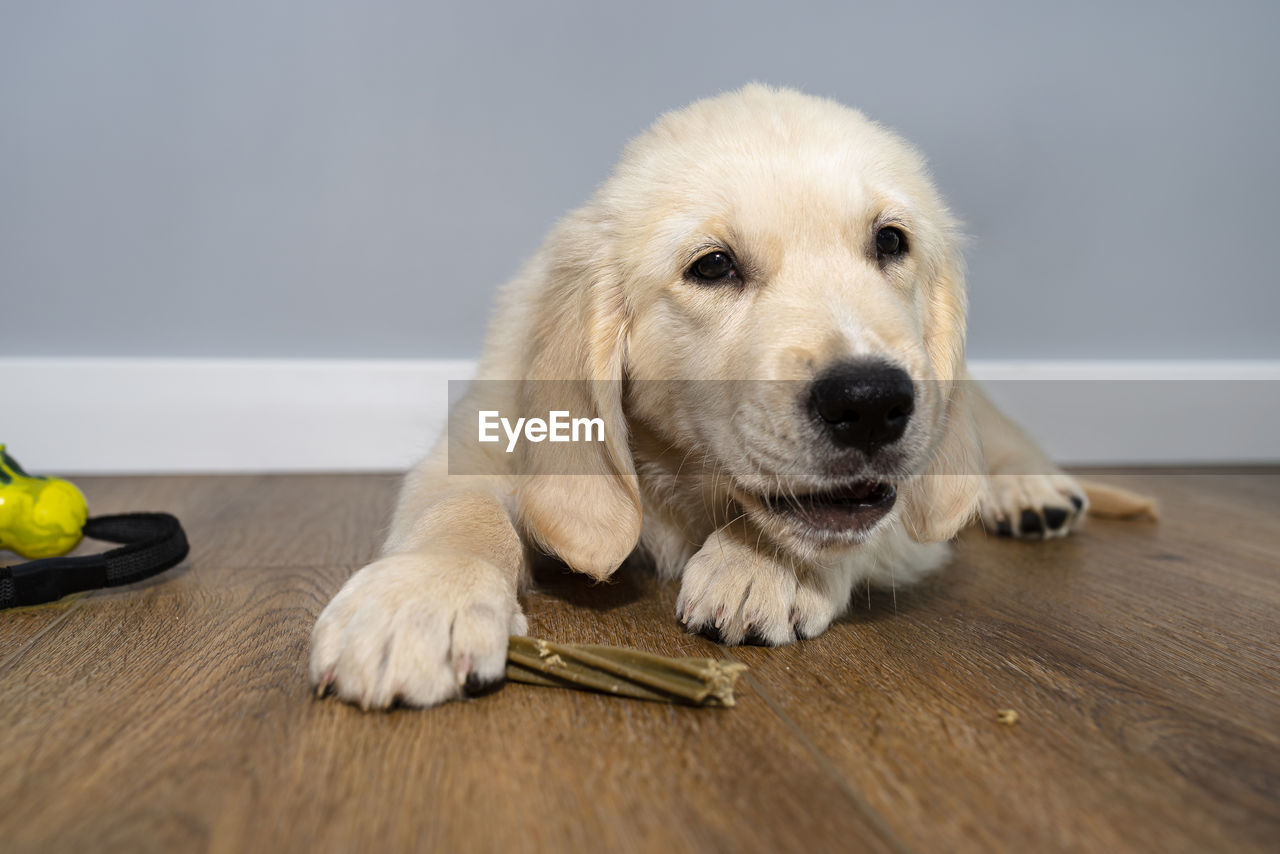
<point>579,500</point>
<point>942,500</point>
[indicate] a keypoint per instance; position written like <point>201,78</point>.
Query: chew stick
<point>623,672</point>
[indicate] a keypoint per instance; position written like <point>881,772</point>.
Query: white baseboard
<point>223,415</point>
<point>231,415</point>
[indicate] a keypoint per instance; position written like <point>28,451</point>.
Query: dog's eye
<point>890,242</point>
<point>713,267</point>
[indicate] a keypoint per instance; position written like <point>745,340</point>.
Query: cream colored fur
<point>797,186</point>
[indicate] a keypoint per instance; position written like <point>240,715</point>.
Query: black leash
<point>155,542</point>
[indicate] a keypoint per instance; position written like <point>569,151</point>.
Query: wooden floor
<point>1141,659</point>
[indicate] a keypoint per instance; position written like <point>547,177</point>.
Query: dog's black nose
<point>863,405</point>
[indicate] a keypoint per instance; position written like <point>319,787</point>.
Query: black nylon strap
<point>154,542</point>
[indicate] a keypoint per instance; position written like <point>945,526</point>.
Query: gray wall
<point>227,178</point>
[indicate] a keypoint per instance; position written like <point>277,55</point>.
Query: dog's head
<point>780,286</point>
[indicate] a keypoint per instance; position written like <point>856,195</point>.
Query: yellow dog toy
<point>39,516</point>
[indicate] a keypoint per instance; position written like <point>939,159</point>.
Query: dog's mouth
<point>849,509</point>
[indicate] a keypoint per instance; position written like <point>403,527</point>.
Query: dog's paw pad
<point>1056,517</point>
<point>1030,523</point>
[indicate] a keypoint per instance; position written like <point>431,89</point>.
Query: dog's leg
<point>431,617</point>
<point>1024,494</point>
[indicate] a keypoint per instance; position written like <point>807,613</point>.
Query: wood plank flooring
<point>1142,660</point>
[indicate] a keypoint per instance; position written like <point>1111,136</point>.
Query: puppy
<point>764,306</point>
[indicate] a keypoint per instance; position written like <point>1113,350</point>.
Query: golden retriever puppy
<point>764,307</point>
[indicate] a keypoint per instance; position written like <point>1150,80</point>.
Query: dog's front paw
<point>418,628</point>
<point>735,594</point>
<point>1032,506</point>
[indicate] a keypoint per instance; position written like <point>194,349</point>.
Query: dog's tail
<point>1112,502</point>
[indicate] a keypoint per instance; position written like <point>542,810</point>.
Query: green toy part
<point>39,516</point>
